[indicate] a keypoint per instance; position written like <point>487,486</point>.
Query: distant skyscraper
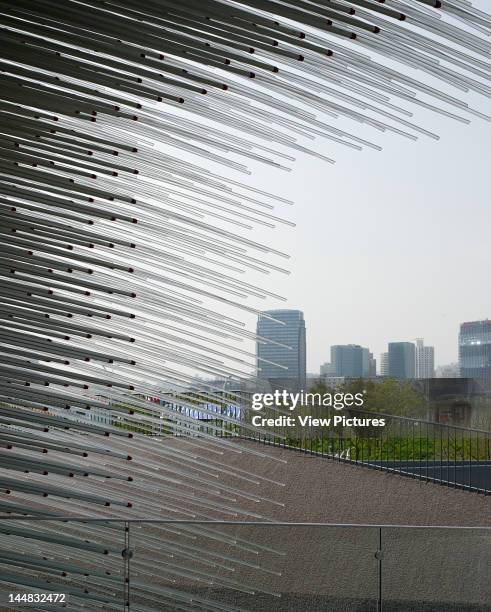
<point>402,359</point>
<point>347,360</point>
<point>425,360</point>
<point>372,367</point>
<point>369,366</point>
<point>287,349</point>
<point>384,364</point>
<point>475,352</point>
<point>352,361</point>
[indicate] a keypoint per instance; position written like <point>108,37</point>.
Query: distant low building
<point>333,381</point>
<point>450,370</point>
<point>326,369</point>
<point>451,401</point>
<point>97,414</point>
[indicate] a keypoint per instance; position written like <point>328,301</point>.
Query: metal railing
<point>228,566</point>
<point>447,454</point>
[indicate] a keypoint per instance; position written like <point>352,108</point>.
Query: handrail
<point>416,420</point>
<point>239,523</point>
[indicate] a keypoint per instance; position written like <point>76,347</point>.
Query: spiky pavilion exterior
<point>124,246</point>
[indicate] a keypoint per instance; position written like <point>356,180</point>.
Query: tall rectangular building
<point>475,352</point>
<point>372,371</point>
<point>347,360</point>
<point>402,359</point>
<point>352,361</point>
<point>281,349</point>
<point>384,364</point>
<point>369,368</point>
<point>425,360</point>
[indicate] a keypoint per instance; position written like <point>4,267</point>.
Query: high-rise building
<point>475,352</point>
<point>384,364</point>
<point>281,349</point>
<point>372,369</point>
<point>369,365</point>
<point>352,361</point>
<point>402,359</point>
<point>425,360</point>
<point>347,360</point>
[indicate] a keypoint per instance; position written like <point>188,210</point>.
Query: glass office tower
<point>281,350</point>
<point>352,361</point>
<point>348,360</point>
<point>402,359</point>
<point>475,352</point>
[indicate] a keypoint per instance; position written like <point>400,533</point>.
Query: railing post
<point>470,460</point>
<point>127,554</point>
<point>456,434</point>
<point>379,556</point>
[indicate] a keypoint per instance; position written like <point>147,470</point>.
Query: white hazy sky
<point>388,245</point>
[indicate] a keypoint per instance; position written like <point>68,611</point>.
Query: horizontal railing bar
<point>239,523</point>
<point>416,420</point>
<point>371,413</point>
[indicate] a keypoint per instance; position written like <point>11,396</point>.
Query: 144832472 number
<point>23,598</point>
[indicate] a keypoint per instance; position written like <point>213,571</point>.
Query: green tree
<point>390,396</point>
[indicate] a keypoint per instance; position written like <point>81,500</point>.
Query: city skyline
<point>437,363</point>
<point>403,359</point>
